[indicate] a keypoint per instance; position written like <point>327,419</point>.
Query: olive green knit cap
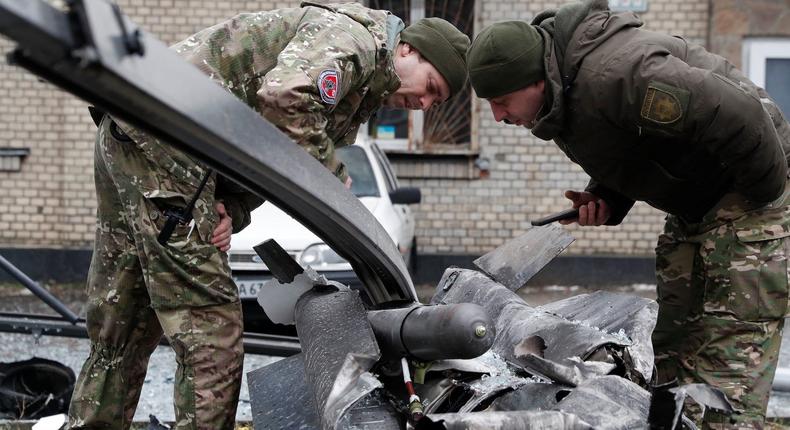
<point>442,45</point>
<point>505,57</point>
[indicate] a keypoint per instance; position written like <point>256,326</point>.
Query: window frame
<point>757,51</point>
<point>413,144</point>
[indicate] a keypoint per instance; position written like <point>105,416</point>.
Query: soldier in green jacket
<point>654,118</point>
<point>316,72</point>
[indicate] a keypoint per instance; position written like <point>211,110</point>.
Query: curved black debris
<point>34,388</point>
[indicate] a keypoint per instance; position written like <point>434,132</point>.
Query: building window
<point>767,63</point>
<point>446,128</point>
<point>11,159</point>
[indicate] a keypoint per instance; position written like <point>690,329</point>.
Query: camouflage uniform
<point>316,73</point>
<point>723,291</point>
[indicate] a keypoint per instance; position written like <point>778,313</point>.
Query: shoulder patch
<point>328,86</point>
<point>664,104</point>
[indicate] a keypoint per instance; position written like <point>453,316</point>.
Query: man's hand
<point>592,210</point>
<point>221,235</point>
<point>348,182</point>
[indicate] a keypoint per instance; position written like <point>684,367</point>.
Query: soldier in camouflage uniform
<point>654,118</point>
<point>317,72</point>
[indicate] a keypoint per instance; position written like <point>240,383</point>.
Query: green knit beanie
<point>505,57</point>
<point>442,45</point>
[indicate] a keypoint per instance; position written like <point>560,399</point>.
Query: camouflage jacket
<point>316,72</point>
<point>651,117</point>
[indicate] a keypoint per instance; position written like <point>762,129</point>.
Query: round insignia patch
<point>328,86</point>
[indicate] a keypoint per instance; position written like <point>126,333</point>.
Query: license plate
<point>248,288</point>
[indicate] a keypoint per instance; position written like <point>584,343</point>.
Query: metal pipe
<point>50,325</point>
<point>416,410</point>
<point>39,291</point>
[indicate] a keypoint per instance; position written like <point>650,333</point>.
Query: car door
<point>405,235</point>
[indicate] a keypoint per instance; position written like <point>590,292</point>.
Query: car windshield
<point>363,180</point>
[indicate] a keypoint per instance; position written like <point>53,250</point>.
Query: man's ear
<point>404,49</point>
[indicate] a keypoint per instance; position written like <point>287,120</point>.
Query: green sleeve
<point>239,203</point>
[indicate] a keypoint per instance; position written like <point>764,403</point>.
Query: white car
<point>373,182</point>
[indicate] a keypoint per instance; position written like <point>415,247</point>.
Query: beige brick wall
<point>50,202</point>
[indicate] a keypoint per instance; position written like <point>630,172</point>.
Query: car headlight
<point>320,256</point>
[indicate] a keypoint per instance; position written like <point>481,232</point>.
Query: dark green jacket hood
<point>570,33</point>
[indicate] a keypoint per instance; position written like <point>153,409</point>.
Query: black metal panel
<point>170,98</point>
<point>38,27</point>
<point>282,266</point>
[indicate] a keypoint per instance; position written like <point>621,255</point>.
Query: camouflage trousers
<point>723,297</point>
<point>139,290</point>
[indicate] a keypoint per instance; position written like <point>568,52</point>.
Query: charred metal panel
<point>339,349</point>
<point>523,420</point>
<point>537,396</point>
<point>609,402</point>
<point>517,322</point>
<point>328,386</point>
<point>517,261</point>
<point>635,317</point>
<point>571,374</point>
<point>280,397</point>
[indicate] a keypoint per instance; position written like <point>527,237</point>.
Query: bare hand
<point>348,182</point>
<point>220,237</point>
<point>592,209</point>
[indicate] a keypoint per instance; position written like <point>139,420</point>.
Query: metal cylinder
<point>435,332</point>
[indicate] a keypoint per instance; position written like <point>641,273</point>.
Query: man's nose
<point>499,113</point>
<point>426,102</point>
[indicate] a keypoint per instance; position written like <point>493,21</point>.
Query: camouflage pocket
<point>747,271</point>
<point>189,271</point>
<point>204,214</point>
<point>160,203</point>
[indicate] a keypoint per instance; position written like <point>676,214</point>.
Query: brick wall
<point>732,20</point>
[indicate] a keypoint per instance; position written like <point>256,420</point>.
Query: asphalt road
<point>158,387</point>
